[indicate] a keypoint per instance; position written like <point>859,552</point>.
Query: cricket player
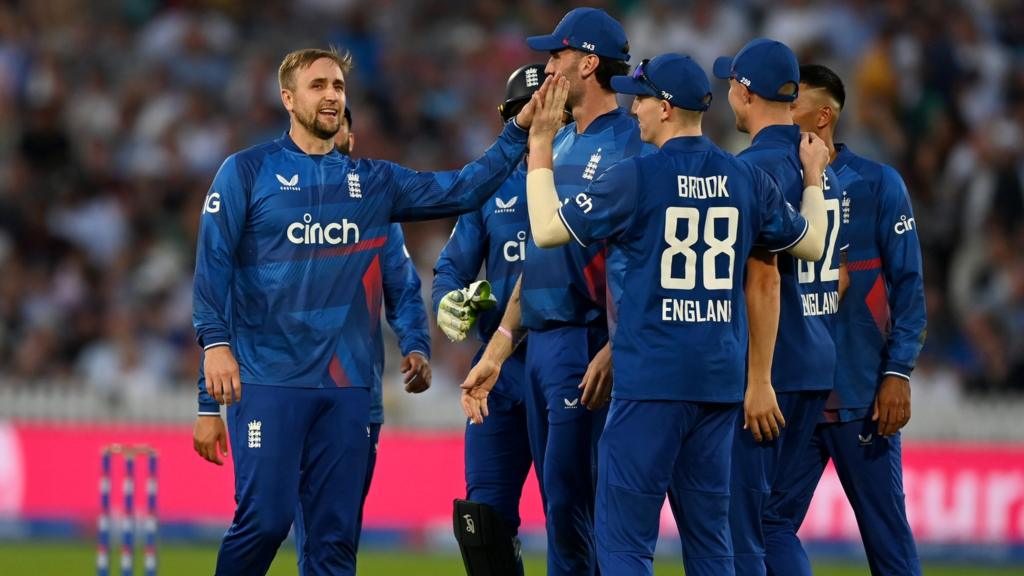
<point>498,452</point>
<point>684,220</point>
<point>286,299</point>
<point>561,297</point>
<point>407,316</point>
<point>880,330</point>
<point>763,82</point>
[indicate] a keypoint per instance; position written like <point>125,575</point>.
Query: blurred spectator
<point>113,120</point>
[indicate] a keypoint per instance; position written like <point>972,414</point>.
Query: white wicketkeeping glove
<point>458,310</point>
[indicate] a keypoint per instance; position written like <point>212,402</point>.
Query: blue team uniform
<point>497,452</point>
<point>288,275</point>
<point>684,220</point>
<point>880,332</point>
<point>407,316</point>
<point>805,352</point>
<point>563,299</point>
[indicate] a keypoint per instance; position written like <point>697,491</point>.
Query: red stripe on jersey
<point>338,373</point>
<point>594,273</point>
<point>373,291</point>
<point>357,247</point>
<point>861,265</point>
<point>877,301</point>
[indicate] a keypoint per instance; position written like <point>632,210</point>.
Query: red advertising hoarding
<point>956,493</point>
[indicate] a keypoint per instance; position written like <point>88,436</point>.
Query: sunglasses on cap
<point>640,75</point>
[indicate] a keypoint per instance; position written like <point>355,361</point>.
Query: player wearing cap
<point>880,331</point>
<point>407,316</point>
<point>563,294</point>
<point>684,220</point>
<point>498,451</point>
<point>763,82</point>
<point>286,299</point>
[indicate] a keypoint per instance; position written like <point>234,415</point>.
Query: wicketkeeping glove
<point>458,309</point>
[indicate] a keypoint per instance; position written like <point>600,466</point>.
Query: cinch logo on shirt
<point>515,250</point>
<point>306,232</point>
<point>289,183</point>
<point>505,207</point>
<point>255,434</point>
<point>904,225</point>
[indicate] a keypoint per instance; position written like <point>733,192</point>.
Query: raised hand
<point>549,114</point>
<point>525,117</point>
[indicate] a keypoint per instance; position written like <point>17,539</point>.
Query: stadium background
<point>114,115</point>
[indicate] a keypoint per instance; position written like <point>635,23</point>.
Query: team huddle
<point>659,318</point>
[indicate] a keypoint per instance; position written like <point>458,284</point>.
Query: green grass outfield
<point>34,559</point>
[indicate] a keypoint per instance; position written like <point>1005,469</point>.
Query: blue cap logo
<point>587,29</point>
<point>674,78</point>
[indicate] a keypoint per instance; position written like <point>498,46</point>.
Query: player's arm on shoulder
<point>815,156</point>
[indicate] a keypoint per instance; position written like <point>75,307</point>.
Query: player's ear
<point>748,96</point>
<point>288,99</point>
<point>588,65</point>
<point>826,116</point>
<point>666,110</point>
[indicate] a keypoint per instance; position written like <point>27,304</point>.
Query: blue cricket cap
<point>765,67</point>
<point>672,77</point>
<point>587,29</point>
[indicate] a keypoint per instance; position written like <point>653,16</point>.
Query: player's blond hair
<point>302,59</point>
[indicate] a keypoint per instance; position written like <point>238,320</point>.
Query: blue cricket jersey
<point>684,221</point>
<point>805,350</point>
<point>404,309</point>
<point>881,325</point>
<point>288,248</point>
<point>495,236</point>
<point>566,286</point>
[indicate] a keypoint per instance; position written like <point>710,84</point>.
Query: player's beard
<point>572,99</point>
<point>310,120</point>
